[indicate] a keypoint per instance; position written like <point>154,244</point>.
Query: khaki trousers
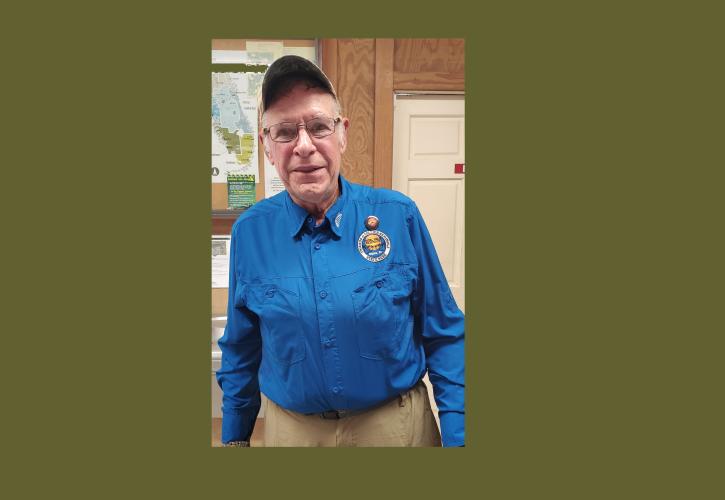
<point>405,421</point>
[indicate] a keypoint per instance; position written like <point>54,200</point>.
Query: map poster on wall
<point>234,124</point>
<point>241,190</point>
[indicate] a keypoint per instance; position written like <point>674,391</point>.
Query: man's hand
<point>236,444</point>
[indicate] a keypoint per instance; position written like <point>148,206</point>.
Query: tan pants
<point>405,421</point>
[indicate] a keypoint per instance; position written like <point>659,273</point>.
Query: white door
<point>428,142</point>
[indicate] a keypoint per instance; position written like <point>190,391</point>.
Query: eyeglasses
<point>318,127</point>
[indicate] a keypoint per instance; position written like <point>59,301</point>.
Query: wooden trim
<point>222,226</point>
<point>429,64</point>
<point>356,91</point>
<point>429,81</point>
<point>328,59</point>
<point>306,42</point>
<point>383,159</point>
<point>228,44</point>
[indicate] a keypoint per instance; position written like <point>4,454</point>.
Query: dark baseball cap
<point>286,68</point>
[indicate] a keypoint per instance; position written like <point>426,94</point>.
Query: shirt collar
<point>334,214</point>
<point>298,215</point>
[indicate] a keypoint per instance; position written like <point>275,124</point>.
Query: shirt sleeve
<point>441,324</point>
<point>241,348</point>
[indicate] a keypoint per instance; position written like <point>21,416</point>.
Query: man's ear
<point>267,150</point>
<point>343,135</point>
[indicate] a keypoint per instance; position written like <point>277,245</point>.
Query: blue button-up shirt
<point>321,319</point>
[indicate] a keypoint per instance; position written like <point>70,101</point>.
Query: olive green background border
<point>594,253</point>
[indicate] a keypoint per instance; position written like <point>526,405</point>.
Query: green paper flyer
<point>241,190</point>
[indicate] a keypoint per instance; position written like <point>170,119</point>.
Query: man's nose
<point>304,146</point>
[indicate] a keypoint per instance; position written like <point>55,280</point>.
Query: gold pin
<point>372,222</point>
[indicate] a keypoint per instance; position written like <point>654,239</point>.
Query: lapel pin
<point>372,222</point>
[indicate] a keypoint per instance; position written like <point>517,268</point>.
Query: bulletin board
<point>247,56</point>
<point>244,56</point>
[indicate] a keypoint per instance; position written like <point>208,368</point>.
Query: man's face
<point>308,167</point>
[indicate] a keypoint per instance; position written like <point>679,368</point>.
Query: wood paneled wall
<point>350,64</point>
<point>366,72</point>
<point>429,64</point>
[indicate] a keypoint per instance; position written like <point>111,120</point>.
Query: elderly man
<point>337,301</point>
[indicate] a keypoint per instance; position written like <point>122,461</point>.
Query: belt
<point>338,414</point>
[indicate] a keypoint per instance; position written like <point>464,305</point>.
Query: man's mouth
<point>306,169</point>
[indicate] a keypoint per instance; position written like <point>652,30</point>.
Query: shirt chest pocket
<point>382,310</point>
<point>278,310</point>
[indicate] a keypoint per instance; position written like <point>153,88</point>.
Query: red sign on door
<point>458,169</point>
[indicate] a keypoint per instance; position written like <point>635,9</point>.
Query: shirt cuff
<point>452,428</point>
<point>237,426</point>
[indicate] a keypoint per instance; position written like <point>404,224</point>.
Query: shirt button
<point>270,293</point>
<point>309,219</point>
<point>327,342</point>
<point>323,294</point>
<point>317,246</point>
<point>379,284</point>
<point>335,390</point>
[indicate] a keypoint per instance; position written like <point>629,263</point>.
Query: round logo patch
<point>373,245</point>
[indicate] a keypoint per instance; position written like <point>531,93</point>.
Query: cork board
<point>219,196</point>
<point>222,223</point>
